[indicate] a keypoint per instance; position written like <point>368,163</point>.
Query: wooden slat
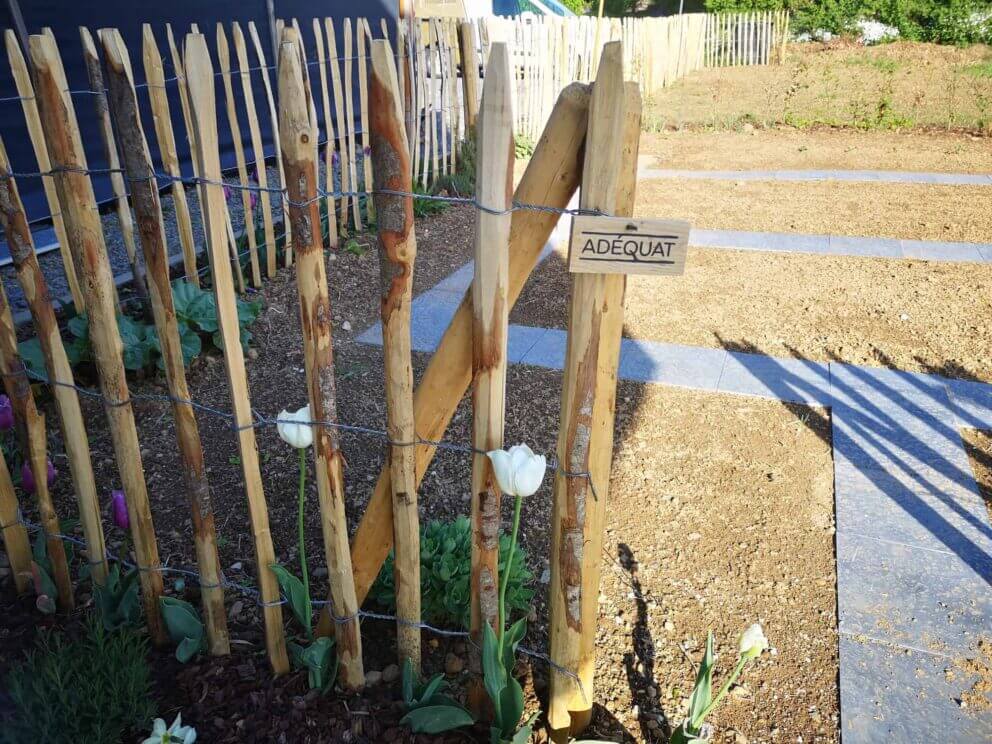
<point>349,104</point>
<point>148,211</point>
<point>15,535</point>
<point>203,108</point>
<point>90,252</point>
<point>297,127</point>
<point>340,121</point>
<point>224,62</point>
<point>328,124</point>
<point>35,288</point>
<point>550,179</point>
<point>364,40</point>
<point>470,75</point>
<point>162,118</point>
<point>25,89</point>
<point>397,253</point>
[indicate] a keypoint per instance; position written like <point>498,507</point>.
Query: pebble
<point>236,566</point>
<point>453,664</point>
<point>346,326</point>
<point>739,738</point>
<point>373,677</point>
<point>669,626</point>
<point>253,353</point>
<point>235,609</point>
<point>391,673</point>
<point>320,572</point>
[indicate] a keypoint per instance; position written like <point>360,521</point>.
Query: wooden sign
<point>620,245</point>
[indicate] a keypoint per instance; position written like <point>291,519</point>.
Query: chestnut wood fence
<point>413,117</point>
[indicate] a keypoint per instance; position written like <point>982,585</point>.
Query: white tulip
<point>519,471</point>
<point>299,435</point>
<point>753,642</point>
<point>174,734</point>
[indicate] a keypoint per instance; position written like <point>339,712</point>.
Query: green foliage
<point>576,6</point>
<point>196,317</point>
<point>505,693</point>
<point>980,69</point>
<point>320,661</point>
<point>184,626</point>
<point>41,573</point>
<point>426,207</point>
<point>117,601</point>
<point>523,146</point>
<point>297,597</point>
<point>445,571</point>
<point>89,689</point>
<point>429,709</point>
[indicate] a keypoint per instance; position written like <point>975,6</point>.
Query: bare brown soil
<point>891,86</point>
<point>913,315</point>
<point>891,210</point>
<point>789,148</point>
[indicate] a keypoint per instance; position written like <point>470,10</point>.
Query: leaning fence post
<point>470,75</point>
<point>203,109</point>
<point>148,210</point>
<point>298,133</point>
<point>490,309</point>
<point>90,254</point>
<point>397,252</point>
<point>585,440</point>
<point>33,284</point>
<point>15,534</point>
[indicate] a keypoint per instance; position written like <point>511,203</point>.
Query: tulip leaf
<point>434,719</point>
<point>299,602</point>
<point>493,672</point>
<point>184,626</point>
<point>702,691</point>
<point>514,635</point>
<point>511,706</point>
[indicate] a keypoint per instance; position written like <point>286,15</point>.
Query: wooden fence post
<point>148,210</point>
<point>550,180</point>
<point>90,253</point>
<point>203,108</point>
<point>296,127</point>
<point>123,209</point>
<point>397,251</point>
<point>164,134</point>
<point>15,226</point>
<point>15,535</point>
<point>585,443</point>
<point>470,75</point>
<point>25,89</point>
<point>490,308</point>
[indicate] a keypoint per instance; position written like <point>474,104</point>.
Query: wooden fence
<point>401,138</point>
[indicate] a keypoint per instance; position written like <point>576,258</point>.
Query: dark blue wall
<point>65,18</point>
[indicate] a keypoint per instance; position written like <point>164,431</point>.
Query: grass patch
<point>979,69</point>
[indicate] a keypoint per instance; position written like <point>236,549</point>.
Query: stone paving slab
<point>914,541</point>
<point>945,179</point>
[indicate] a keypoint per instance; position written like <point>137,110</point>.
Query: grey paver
<point>791,380</point>
<point>876,176</point>
<point>935,250</point>
<point>672,364</point>
<point>845,245</point>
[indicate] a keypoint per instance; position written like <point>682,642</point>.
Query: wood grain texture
<point>397,253</point>
<point>495,157</point>
<point>15,535</point>
<point>151,225</point>
<point>349,121</point>
<point>90,254</point>
<point>204,112</point>
<point>341,122</point>
<point>470,75</point>
<point>550,179</point>
<point>75,440</point>
<point>297,127</point>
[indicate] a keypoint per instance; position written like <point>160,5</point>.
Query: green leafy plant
<point>702,702</point>
<point>430,710</point>
<point>117,600</point>
<point>445,572</point>
<point>93,688</point>
<point>523,146</point>
<point>41,573</point>
<point>184,626</point>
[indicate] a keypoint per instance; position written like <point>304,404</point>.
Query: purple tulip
<point>227,193</point>
<point>367,151</point>
<point>119,501</point>
<point>27,475</point>
<point>335,158</point>
<point>6,414</point>
<point>254,200</point>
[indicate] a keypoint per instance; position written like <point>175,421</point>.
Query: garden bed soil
<point>905,314</point>
<point>789,148</point>
<point>886,210</point>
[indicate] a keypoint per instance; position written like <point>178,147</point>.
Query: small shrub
<point>91,689</point>
<point>445,571</point>
<point>523,146</point>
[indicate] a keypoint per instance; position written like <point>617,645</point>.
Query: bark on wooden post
<point>470,74</point>
<point>550,179</point>
<point>158,95</point>
<point>31,433</point>
<point>490,308</point>
<point>95,74</point>
<point>296,127</point>
<point>397,252</point>
<point>33,284</point>
<point>15,535</point>
<point>203,110</point>
<point>585,443</point>
<point>90,253</point>
<point>25,89</point>
<point>148,211</point>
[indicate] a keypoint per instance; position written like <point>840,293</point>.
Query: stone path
<point>914,541</point>
<point>943,179</point>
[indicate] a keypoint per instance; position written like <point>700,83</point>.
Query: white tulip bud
<point>752,642</point>
<point>299,435</point>
<point>519,472</point>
